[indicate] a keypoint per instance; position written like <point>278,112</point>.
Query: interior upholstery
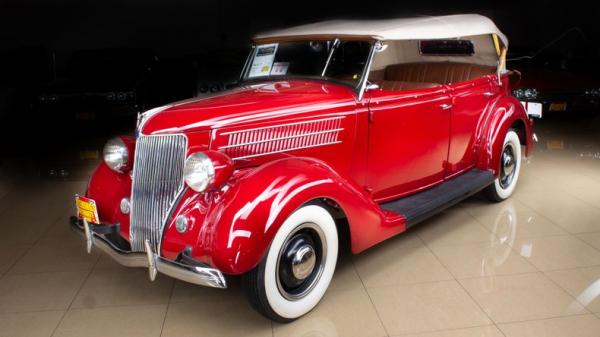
<point>404,85</point>
<point>408,76</point>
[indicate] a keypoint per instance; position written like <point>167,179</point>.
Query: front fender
<point>240,220</point>
<point>503,114</point>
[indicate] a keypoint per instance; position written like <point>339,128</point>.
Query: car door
<point>408,140</point>
<point>470,99</point>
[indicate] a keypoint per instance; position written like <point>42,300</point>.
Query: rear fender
<point>502,115</point>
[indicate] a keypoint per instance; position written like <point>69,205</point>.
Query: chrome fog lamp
<point>198,171</point>
<point>116,154</point>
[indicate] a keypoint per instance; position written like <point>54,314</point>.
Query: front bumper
<point>96,236</point>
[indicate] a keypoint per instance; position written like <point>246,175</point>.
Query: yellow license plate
<point>562,106</point>
<point>86,209</point>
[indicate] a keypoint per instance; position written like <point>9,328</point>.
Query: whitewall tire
<point>298,267</point>
<point>510,166</point>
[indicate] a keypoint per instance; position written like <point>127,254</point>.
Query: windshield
<point>337,60</point>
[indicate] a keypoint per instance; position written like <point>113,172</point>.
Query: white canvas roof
<point>418,28</point>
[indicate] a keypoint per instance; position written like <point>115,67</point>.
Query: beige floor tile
<point>340,313</point>
<point>426,307</point>
<point>22,233</point>
<point>142,321</point>
<point>187,292</point>
<point>124,286</point>
<point>107,262</point>
<point>581,283</point>
<point>557,252</point>
<point>219,319</point>
<point>40,291</point>
<point>592,239</point>
<point>388,265</point>
<point>345,276</point>
<point>511,219</point>
<point>570,213</point>
<point>482,259</point>
<point>574,326</point>
<point>56,256</point>
<point>29,324</point>
<point>10,254</point>
<point>453,227</point>
<point>60,231</point>
<point>482,331</point>
<point>521,297</point>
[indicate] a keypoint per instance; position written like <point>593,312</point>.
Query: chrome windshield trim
<point>367,70</point>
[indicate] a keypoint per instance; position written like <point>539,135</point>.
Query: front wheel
<point>510,165</point>
<point>294,275</point>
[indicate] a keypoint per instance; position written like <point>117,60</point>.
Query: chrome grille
<point>157,181</point>
<point>280,138</point>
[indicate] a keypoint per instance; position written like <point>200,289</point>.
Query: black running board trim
<point>420,206</point>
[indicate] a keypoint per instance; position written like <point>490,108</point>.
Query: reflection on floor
<point>529,266</point>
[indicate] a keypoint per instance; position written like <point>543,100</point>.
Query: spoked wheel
<point>294,275</point>
<point>510,165</point>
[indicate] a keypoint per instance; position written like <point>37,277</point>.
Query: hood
<point>249,104</point>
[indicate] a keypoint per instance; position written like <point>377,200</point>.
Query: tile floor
<point>529,266</point>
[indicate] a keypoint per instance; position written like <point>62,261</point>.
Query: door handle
<point>445,106</point>
<point>488,94</point>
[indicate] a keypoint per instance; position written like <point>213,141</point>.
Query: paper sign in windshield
<point>280,68</point>
<point>263,60</point>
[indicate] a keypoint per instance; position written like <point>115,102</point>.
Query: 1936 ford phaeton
<point>380,123</point>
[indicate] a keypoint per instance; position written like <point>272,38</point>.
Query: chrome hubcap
<point>301,261</point>
<point>508,163</point>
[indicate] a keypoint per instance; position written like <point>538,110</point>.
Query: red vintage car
<point>364,128</point>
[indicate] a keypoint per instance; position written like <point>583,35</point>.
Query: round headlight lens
<point>116,155</point>
<point>198,171</point>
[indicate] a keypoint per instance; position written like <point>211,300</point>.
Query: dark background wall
<point>182,26</point>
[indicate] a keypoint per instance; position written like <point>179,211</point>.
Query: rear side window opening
<point>446,47</point>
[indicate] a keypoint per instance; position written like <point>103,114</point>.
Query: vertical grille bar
<point>157,181</point>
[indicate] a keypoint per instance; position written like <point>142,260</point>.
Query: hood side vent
<point>245,144</point>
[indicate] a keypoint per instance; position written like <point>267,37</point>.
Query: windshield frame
<point>358,88</point>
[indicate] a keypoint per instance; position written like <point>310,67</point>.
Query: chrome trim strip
<point>281,138</point>
<point>286,150</point>
<point>283,125</point>
<point>203,276</point>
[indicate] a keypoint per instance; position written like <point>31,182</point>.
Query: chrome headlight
<point>198,171</point>
<point>116,154</point>
<point>525,93</point>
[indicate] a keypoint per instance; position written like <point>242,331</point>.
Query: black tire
<point>297,268</point>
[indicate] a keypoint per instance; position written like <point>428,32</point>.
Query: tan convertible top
<point>419,28</point>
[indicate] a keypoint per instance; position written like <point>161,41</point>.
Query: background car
<point>563,76</point>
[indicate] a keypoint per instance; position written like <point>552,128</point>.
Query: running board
<point>420,206</point>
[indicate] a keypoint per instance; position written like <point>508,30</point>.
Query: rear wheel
<point>510,165</point>
<point>294,275</point>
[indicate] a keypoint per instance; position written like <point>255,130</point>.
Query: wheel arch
<point>254,208</point>
<point>504,114</point>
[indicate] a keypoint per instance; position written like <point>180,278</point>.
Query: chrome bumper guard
<point>200,275</point>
